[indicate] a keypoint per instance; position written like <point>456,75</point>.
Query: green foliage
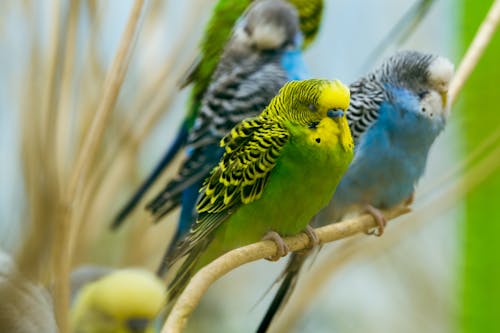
<point>481,275</point>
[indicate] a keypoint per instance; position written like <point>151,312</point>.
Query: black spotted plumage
<point>406,69</point>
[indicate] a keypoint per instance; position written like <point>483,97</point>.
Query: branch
<point>475,50</point>
<point>200,282</point>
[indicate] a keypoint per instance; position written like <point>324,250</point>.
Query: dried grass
<point>79,148</point>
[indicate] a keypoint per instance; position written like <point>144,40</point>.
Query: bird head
<point>426,76</point>
<point>269,25</point>
<point>125,301</point>
<point>317,105</point>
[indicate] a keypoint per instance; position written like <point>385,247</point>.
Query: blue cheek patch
<point>294,65</point>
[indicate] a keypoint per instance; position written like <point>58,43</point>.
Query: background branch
<point>200,282</point>
<point>68,225</point>
<point>475,50</point>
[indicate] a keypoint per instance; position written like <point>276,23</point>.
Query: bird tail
<point>178,143</point>
<point>189,197</point>
<point>189,254</point>
<point>289,278</point>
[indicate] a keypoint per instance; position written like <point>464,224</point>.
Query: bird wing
<point>367,95</point>
<point>231,98</point>
<point>252,149</point>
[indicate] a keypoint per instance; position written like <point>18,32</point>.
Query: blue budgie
<point>261,56</point>
<point>396,113</point>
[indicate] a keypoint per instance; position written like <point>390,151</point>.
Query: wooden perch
<point>200,282</point>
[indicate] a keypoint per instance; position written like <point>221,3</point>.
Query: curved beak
<point>444,98</point>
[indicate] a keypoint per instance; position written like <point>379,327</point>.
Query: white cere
<point>441,72</point>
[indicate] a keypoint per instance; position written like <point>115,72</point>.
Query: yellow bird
<point>124,301</point>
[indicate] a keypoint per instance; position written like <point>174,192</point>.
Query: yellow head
<point>316,105</point>
<point>125,301</point>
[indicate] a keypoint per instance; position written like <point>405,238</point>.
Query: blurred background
<point>435,270</point>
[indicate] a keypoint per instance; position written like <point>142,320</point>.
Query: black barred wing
<point>237,93</point>
<point>367,95</point>
<point>252,149</point>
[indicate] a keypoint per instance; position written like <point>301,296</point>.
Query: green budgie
<point>217,34</point>
<point>278,170</point>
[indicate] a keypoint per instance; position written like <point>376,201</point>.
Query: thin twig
<point>475,50</point>
<point>67,223</point>
<point>486,145</point>
<point>48,164</point>
<point>62,123</point>
<point>200,282</point>
<point>112,85</point>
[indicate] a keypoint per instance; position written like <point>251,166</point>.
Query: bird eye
<point>312,107</point>
<point>423,94</point>
<point>314,124</point>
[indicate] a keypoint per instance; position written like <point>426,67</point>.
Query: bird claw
<point>280,245</point>
<point>379,218</point>
<point>313,240</point>
<point>313,237</point>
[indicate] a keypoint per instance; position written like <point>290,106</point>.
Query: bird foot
<point>379,218</point>
<point>313,240</point>
<point>313,237</point>
<point>280,245</point>
<point>410,200</point>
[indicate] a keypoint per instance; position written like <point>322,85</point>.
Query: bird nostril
<point>335,113</point>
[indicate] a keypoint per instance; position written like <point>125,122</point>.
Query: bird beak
<point>335,113</point>
<point>444,98</point>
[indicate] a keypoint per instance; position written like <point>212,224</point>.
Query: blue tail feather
<point>189,199</point>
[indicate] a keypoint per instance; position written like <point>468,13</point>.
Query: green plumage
<point>218,31</point>
<point>279,169</point>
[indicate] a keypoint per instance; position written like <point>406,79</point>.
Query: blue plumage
<point>390,157</point>
<point>294,65</point>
